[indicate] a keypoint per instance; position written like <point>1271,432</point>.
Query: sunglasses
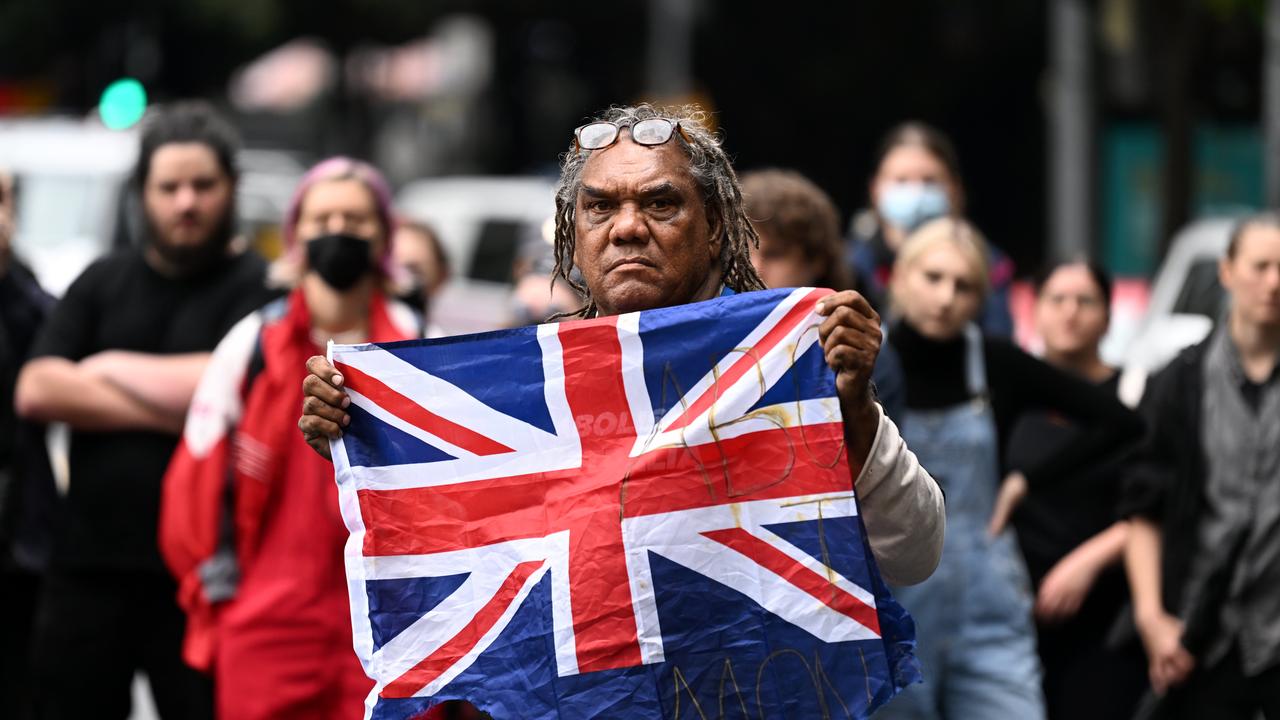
<point>602,134</point>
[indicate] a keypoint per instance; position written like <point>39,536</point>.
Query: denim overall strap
<point>975,365</point>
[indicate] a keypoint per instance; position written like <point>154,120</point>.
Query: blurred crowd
<point>1100,562</point>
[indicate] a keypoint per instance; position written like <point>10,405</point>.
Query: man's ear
<point>1224,273</point>
<point>716,226</point>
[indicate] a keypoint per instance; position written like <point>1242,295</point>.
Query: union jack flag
<point>642,516</point>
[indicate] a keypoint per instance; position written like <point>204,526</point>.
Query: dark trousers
<point>94,630</point>
<point>1222,692</point>
<point>1077,654</point>
<point>18,593</point>
<point>1116,679</point>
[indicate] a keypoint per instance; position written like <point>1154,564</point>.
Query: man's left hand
<point>851,338</point>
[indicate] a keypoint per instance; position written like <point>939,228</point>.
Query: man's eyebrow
<point>662,188</point>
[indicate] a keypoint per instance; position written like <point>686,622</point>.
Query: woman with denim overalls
<point>973,616</point>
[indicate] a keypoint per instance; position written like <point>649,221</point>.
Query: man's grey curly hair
<point>711,169</point>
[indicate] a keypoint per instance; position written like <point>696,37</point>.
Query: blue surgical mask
<point>908,205</point>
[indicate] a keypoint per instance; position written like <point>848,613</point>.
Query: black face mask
<point>339,259</point>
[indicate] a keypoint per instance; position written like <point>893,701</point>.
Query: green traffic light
<point>122,104</point>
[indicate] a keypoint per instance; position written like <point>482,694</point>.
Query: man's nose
<point>628,225</point>
<point>186,198</point>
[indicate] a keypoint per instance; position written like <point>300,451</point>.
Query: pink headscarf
<point>343,168</point>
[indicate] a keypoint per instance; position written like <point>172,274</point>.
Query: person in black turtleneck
<point>964,394</point>
<point>1069,532</point>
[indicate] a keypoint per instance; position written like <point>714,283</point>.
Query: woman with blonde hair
<point>963,394</point>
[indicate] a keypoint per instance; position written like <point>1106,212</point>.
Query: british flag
<point>642,516</point>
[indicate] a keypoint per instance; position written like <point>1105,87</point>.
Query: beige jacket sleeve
<point>902,508</point>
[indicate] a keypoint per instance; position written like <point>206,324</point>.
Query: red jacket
<point>249,526</point>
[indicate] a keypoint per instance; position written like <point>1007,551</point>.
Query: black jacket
<point>27,493</point>
<point>1165,485</point>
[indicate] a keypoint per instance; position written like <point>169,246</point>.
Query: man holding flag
<point>649,211</point>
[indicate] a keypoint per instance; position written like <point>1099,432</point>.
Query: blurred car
<point>1186,301</point>
<point>69,180</point>
<point>493,229</point>
<point>72,205</point>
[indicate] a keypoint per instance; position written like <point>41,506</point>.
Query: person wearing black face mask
<point>273,625</point>
<point>341,260</point>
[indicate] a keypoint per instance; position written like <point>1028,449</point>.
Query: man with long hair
<point>118,361</point>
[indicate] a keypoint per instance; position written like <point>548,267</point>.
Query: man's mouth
<point>630,263</point>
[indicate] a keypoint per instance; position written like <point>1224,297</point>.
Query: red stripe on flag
<point>604,621</point>
<point>784,566</point>
<point>416,415</point>
<point>747,360</point>
<point>457,516</point>
<point>447,655</point>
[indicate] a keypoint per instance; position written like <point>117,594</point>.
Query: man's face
<point>187,197</point>
<point>643,237</point>
<point>1253,276</point>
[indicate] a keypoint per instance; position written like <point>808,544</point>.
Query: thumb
<point>999,516</point>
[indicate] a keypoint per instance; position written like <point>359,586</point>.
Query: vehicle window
<point>495,253</point>
<point>58,209</point>
<point>1201,293</point>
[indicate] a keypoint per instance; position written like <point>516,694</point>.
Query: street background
<point>1084,127</point>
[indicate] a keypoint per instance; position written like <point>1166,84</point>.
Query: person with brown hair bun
<point>1203,501</point>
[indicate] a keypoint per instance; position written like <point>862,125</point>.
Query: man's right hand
<point>1168,663</point>
<point>324,405</point>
